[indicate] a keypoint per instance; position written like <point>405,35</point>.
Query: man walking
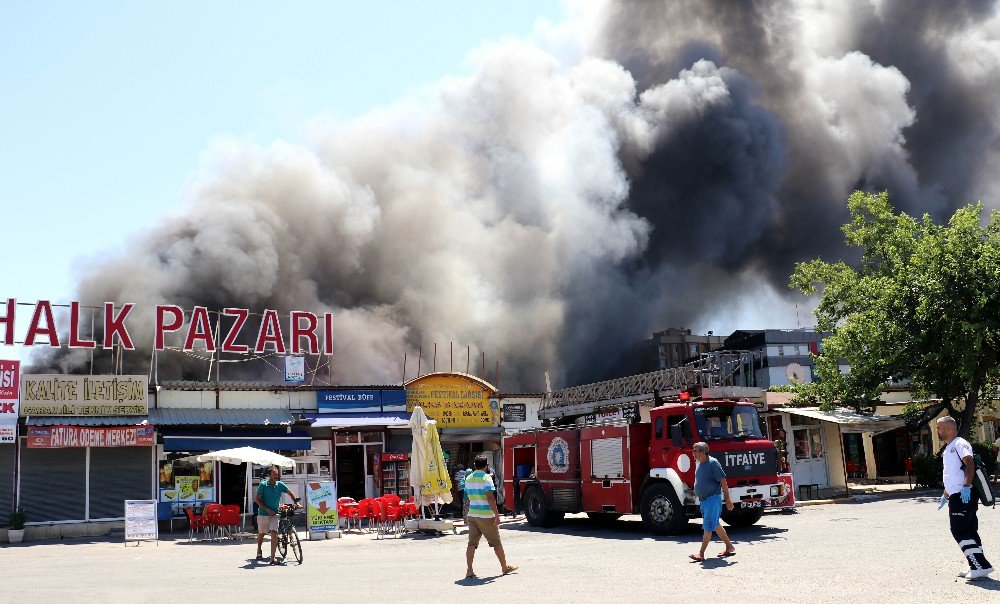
<point>268,500</point>
<point>711,488</point>
<point>959,472</point>
<point>483,517</point>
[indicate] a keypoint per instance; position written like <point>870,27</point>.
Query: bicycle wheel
<point>295,545</point>
<point>282,545</point>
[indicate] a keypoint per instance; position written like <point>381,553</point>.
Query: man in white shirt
<point>959,470</point>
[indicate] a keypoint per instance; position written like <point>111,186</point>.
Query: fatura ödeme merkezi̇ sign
<point>302,328</point>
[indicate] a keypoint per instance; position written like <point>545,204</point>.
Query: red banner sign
<point>395,456</point>
<point>53,437</point>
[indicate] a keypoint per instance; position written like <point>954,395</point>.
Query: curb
<point>865,497</point>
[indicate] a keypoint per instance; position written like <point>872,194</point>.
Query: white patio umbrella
<point>249,456</point>
<point>418,455</point>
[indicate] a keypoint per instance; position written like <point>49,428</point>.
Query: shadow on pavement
<point>474,581</point>
<point>632,530</point>
<point>987,584</point>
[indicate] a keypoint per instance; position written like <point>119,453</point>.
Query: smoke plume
<point>642,165</point>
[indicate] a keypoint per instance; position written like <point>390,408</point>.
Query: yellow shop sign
<point>454,400</point>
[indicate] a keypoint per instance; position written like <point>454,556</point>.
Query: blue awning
<point>269,440</point>
<point>359,420</point>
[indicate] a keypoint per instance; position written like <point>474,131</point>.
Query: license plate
<point>752,504</point>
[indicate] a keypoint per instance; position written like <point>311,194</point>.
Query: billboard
<point>57,437</point>
<point>84,395</point>
<point>453,400</point>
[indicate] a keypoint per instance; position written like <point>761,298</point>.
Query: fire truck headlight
<point>776,491</point>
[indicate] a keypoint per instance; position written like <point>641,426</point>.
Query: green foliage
<point>928,470</point>
<point>16,520</point>
<point>781,389</point>
<point>923,303</point>
<point>987,455</point>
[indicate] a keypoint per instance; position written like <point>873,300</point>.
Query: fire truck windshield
<point>716,422</point>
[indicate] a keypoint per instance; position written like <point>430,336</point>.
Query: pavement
<point>892,550</point>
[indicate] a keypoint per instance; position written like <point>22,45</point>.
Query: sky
<point>107,109</point>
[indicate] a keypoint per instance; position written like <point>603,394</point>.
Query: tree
<point>922,304</point>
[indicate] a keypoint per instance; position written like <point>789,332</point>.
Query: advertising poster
<point>295,369</point>
<point>10,382</point>
<point>140,520</point>
<point>187,488</point>
<point>321,505</point>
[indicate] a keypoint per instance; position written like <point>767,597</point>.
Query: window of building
<point>693,349</point>
<point>662,349</point>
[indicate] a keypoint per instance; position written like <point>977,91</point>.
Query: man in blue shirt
<point>268,500</point>
<point>710,487</point>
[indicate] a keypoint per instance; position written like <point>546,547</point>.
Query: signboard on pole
<point>10,381</point>
<point>295,369</point>
<point>140,520</point>
<point>321,506</point>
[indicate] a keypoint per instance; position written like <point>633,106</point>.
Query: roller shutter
<point>117,474</point>
<point>6,481</point>
<point>53,484</point>
<point>606,458</point>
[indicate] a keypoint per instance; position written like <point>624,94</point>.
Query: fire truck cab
<point>607,470</point>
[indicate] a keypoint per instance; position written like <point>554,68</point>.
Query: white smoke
<point>639,166</point>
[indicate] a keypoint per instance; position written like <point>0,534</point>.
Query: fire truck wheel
<point>662,513</point>
<point>536,509</point>
<point>739,518</point>
<point>603,517</point>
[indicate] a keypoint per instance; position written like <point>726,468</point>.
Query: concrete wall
<point>60,531</point>
<point>237,399</point>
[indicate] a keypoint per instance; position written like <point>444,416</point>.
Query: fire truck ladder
<point>720,374</point>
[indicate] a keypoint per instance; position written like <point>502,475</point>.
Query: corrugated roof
<point>264,386</point>
<point>96,420</point>
<point>220,417</point>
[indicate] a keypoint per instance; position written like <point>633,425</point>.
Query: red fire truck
<point>616,468</point>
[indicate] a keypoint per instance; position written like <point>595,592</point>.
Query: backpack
<point>981,481</point>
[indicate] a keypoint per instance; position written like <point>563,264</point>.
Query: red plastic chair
<point>230,520</point>
<point>364,512</point>
<point>213,519</point>
<point>195,522</point>
<point>392,499</point>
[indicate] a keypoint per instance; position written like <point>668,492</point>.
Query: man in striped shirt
<point>483,517</point>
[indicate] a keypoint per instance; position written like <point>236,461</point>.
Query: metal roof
<point>94,420</point>
<point>263,386</point>
<point>220,417</point>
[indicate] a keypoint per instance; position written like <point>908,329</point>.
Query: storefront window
<point>808,443</point>
<point>347,438</point>
<point>371,437</point>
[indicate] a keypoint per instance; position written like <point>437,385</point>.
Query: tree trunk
<point>987,361</point>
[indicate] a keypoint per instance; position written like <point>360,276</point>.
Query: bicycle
<point>287,537</point>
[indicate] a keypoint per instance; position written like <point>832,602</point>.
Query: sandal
<point>696,557</point>
<point>510,568</point>
<point>471,576</point>
<point>727,553</point>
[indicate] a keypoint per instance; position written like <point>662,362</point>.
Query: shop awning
<point>269,440</point>
<point>849,421</point>
<point>360,420</point>
<point>471,435</point>
<point>93,420</point>
<point>220,417</point>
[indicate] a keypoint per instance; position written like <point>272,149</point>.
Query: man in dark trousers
<point>959,471</point>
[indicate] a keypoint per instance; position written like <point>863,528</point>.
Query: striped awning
<point>93,420</point>
<point>220,417</point>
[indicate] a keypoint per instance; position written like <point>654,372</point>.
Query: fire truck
<point>629,467</point>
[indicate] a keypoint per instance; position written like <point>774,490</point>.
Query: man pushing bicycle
<point>268,500</point>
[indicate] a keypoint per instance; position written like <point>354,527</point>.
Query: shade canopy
<point>849,421</point>
<point>361,420</point>
<point>241,455</point>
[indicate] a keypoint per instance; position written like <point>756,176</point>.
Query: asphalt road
<point>883,551</point>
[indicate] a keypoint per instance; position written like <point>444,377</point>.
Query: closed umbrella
<point>428,473</point>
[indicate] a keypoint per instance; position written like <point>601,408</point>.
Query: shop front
<point>10,383</point>
<point>187,433</point>
<point>467,411</point>
<point>363,424</point>
<point>87,446</point>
